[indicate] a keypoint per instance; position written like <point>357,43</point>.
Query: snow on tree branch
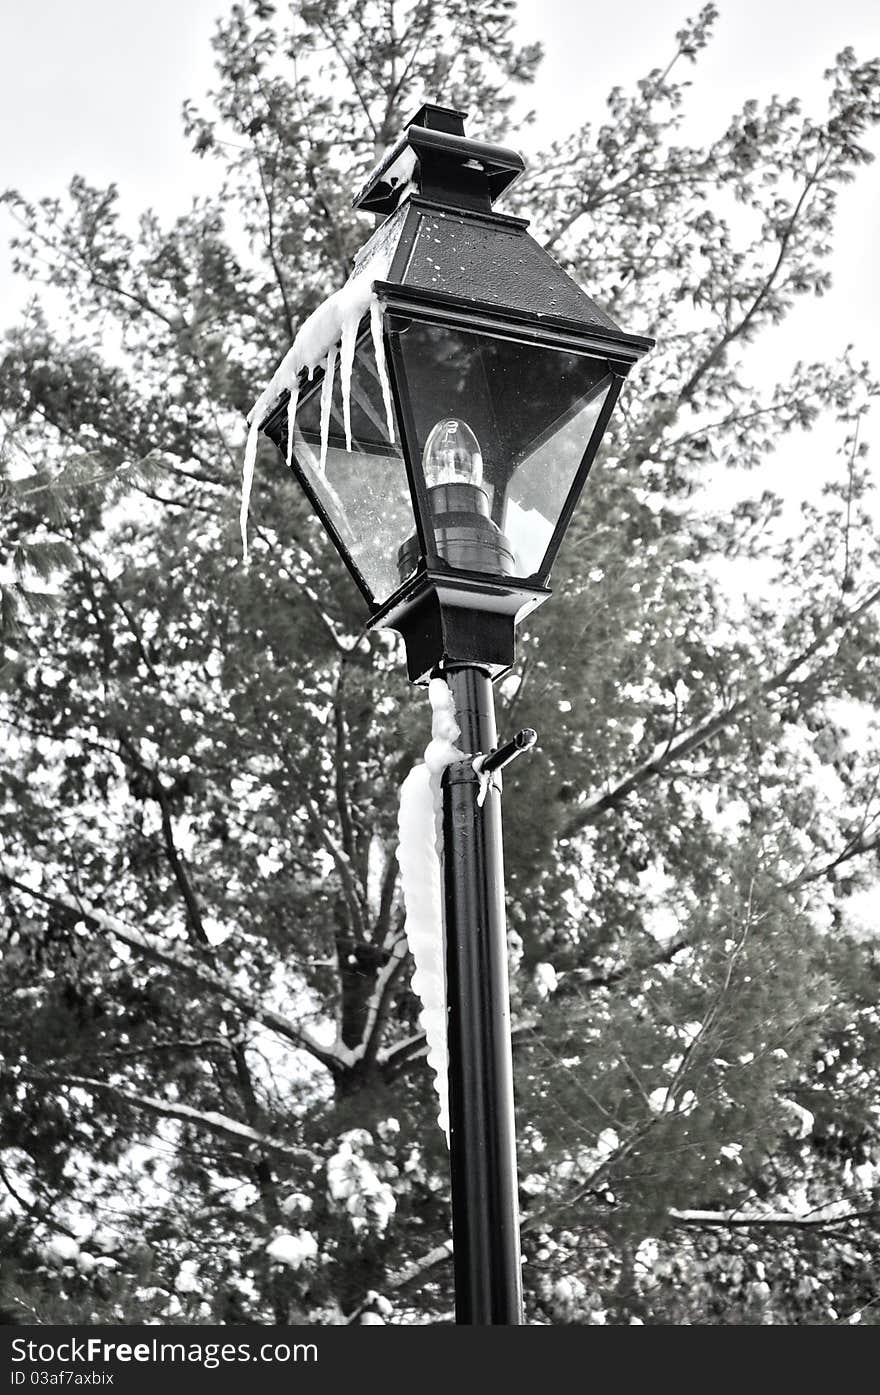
<point>836,1214</point>
<point>378,1001</point>
<point>210,1120</point>
<point>420,1268</point>
<point>334,1058</point>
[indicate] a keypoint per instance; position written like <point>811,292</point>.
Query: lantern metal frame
<point>449,614</point>
<point>436,180</point>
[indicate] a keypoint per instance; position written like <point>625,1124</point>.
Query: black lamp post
<point>503,376</point>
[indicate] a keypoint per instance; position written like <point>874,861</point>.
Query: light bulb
<point>461,531</point>
<point>452,454</point>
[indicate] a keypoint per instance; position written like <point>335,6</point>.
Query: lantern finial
<point>437,160</point>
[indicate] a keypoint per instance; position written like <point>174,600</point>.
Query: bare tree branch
<point>219,1124</point>
<point>377,1007</point>
<point>771,1218</point>
<point>336,1059</point>
<point>694,737</point>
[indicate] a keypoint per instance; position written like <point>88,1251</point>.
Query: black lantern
<point>474,428</point>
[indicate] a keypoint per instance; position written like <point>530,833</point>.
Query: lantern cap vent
<point>434,158</point>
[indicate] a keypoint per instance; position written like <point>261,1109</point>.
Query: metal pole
<point>485,1209</point>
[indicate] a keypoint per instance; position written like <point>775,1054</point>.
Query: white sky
<point>760,47</point>
<point>96,88</point>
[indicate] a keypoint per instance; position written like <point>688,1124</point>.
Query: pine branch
<point>243,1076</point>
<point>856,847</point>
<point>350,885</point>
<point>420,1270</point>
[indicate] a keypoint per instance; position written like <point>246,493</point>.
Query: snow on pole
<point>420,856</point>
<point>422,896</point>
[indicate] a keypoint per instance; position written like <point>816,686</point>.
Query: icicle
<point>317,338</point>
<point>346,360</point>
<point>285,375</point>
<point>247,483</point>
<point>420,856</point>
<point>291,418</point>
<point>326,403</point>
<point>381,365</point>
<point>490,780</point>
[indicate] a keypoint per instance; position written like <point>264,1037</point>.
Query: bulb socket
<point>464,535</point>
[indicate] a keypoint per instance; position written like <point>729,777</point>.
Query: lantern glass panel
<point>363,491</point>
<point>530,410</point>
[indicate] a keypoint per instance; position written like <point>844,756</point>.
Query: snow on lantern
<point>446,456</point>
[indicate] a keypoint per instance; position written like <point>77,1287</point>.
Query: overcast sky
<point>95,87</point>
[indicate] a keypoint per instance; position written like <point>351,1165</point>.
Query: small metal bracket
<point>488,768</point>
<point>496,760</point>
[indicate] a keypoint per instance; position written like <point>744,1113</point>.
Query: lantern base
<point>458,617</point>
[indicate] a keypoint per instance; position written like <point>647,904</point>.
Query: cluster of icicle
<point>329,332</point>
<point>420,856</point>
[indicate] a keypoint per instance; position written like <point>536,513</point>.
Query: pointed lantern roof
<point>437,189</point>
